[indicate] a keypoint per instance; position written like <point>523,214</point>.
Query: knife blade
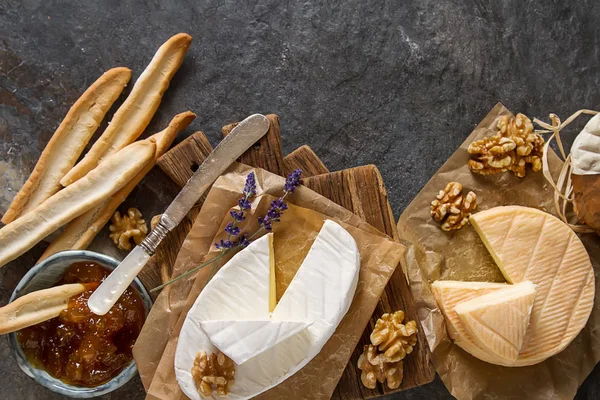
<point>244,135</point>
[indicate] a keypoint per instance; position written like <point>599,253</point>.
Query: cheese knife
<point>244,135</point>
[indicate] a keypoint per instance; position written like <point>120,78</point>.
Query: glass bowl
<point>46,274</point>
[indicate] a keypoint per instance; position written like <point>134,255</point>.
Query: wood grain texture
<point>183,160</point>
<point>266,153</point>
<point>362,191</point>
<point>304,158</point>
<point>179,164</point>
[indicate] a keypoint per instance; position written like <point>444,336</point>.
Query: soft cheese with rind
<point>241,340</point>
<point>529,244</point>
<point>448,295</point>
<point>497,321</point>
<point>585,152</point>
<point>321,292</point>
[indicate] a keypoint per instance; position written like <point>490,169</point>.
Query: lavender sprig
<point>279,206</point>
<point>276,209</point>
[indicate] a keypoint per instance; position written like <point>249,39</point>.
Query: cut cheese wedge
<point>242,340</point>
<point>528,244</point>
<point>497,321</point>
<point>448,295</point>
<point>321,293</point>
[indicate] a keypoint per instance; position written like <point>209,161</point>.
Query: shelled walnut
<point>451,208</point>
<point>394,338</point>
<point>511,148</point>
<point>216,370</point>
<point>391,341</point>
<point>375,369</point>
<point>127,227</point>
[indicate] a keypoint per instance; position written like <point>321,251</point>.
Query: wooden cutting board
<point>360,190</point>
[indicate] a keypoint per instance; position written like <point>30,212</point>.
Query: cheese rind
<point>448,295</point>
<point>497,321</point>
<point>242,340</point>
<point>528,244</point>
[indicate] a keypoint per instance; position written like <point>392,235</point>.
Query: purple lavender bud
<point>292,181</point>
<point>250,187</point>
<point>237,215</point>
<point>244,204</point>
<point>232,229</point>
<point>265,223</point>
<point>243,241</point>
<point>279,204</point>
<point>224,244</point>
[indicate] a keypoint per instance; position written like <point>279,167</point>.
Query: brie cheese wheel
<point>497,321</point>
<point>528,244</point>
<point>320,294</point>
<point>242,340</point>
<point>448,295</point>
<point>585,151</point>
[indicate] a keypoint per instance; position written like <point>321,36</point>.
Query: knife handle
<point>107,294</point>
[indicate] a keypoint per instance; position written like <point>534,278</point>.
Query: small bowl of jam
<point>80,354</point>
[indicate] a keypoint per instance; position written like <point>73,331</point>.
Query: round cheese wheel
<point>529,244</point>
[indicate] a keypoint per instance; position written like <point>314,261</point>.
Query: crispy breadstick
<point>68,142</point>
<point>38,306</point>
<point>102,182</point>
<point>135,113</point>
<point>80,232</point>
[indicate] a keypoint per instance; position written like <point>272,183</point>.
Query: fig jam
<point>79,347</point>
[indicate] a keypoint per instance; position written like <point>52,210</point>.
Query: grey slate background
<point>396,84</point>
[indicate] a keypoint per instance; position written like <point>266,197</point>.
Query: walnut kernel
<point>511,148</point>
<point>216,370</point>
<point>374,369</point>
<point>451,208</point>
<point>393,338</point>
<point>129,226</point>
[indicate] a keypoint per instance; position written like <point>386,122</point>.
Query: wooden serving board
<point>360,190</point>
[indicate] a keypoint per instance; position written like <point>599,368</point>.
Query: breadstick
<point>80,232</point>
<point>38,306</point>
<point>135,113</point>
<point>68,142</point>
<point>102,182</point>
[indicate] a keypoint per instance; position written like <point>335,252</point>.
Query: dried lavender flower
<point>224,244</point>
<point>237,215</point>
<point>232,229</point>
<point>292,181</point>
<point>250,187</point>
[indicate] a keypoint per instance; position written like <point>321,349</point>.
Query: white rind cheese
<point>497,321</point>
<point>320,293</point>
<point>585,152</point>
<point>528,244</point>
<point>241,340</point>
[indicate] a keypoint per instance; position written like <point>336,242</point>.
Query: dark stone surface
<point>396,84</point>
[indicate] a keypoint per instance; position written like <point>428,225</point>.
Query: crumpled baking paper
<point>461,255</point>
<point>155,348</point>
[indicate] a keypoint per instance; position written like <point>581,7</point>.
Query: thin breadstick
<point>101,183</point>
<point>38,306</point>
<point>80,232</point>
<point>135,113</point>
<point>67,143</point>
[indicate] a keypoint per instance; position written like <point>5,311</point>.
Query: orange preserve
<point>79,347</point>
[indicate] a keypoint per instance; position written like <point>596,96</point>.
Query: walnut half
<point>511,148</point>
<point>129,226</point>
<point>451,208</point>
<point>210,370</point>
<point>393,338</point>
<point>375,369</point>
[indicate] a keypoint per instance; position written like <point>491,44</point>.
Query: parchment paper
<point>155,348</point>
<point>435,254</point>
